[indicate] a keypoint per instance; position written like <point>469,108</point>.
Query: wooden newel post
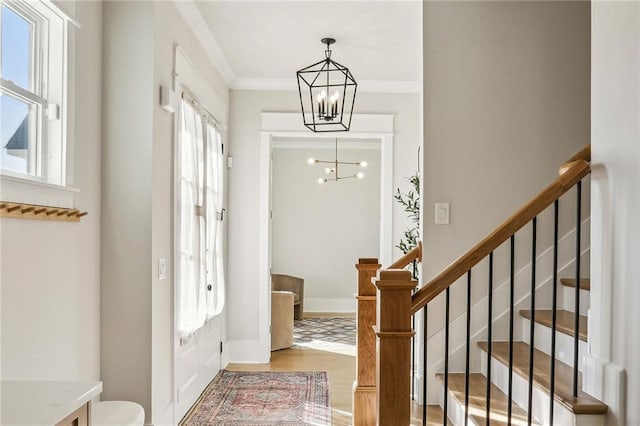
<point>364,388</point>
<point>393,346</point>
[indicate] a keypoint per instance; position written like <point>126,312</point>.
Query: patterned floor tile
<point>334,330</point>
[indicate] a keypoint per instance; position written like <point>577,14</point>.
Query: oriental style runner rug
<point>261,398</point>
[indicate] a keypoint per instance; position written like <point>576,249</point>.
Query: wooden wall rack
<point>32,211</point>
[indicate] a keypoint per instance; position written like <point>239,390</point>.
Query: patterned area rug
<point>261,398</point>
<point>329,334</point>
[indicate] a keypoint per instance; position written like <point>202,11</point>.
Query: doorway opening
<point>318,230</point>
<point>279,128</point>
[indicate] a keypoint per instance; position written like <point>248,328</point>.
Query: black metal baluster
<point>534,229</point>
<point>413,342</point>
<point>489,325</point>
<point>424,365</point>
<point>511,291</point>
<point>446,357</point>
<point>466,370</point>
<point>554,307</point>
<point>576,337</point>
<point>413,358</point>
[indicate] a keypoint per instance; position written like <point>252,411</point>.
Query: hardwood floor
<point>341,370</point>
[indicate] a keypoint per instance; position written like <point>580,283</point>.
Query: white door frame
<point>288,125</point>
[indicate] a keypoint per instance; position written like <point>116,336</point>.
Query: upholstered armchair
<point>281,282</point>
<point>281,320</point>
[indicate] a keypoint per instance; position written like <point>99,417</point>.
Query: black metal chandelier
<point>327,94</point>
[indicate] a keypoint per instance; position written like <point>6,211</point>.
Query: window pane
<point>16,48</point>
<point>16,134</point>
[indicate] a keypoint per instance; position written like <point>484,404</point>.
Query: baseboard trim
<point>166,417</point>
<point>312,305</point>
<point>329,315</point>
<point>224,357</point>
<point>606,381</point>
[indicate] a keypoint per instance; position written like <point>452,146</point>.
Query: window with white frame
<point>201,271</point>
<point>33,67</point>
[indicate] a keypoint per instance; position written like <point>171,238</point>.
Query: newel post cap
<point>394,279</point>
<point>368,263</point>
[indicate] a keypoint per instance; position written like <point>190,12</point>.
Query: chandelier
<point>327,94</point>
<point>333,171</point>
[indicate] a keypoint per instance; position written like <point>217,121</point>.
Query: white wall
<point>50,272</point>
<point>317,230</point>
<point>172,30</point>
<point>128,94</point>
<point>506,102</point>
<point>137,309</point>
<point>615,115</point>
<point>245,121</point>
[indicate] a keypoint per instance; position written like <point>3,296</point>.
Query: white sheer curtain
<point>201,280</point>
<point>215,235</point>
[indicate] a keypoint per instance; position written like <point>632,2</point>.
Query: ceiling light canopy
<point>327,94</point>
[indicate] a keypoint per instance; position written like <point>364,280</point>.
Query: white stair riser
<point>564,343</point>
<point>569,297</point>
<point>562,416</point>
<point>455,410</point>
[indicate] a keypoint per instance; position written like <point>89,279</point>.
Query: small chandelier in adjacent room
<point>332,170</point>
<point>327,94</point>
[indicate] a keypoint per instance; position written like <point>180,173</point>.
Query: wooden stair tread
<point>585,283</point>
<point>434,415</point>
<point>564,321</point>
<point>583,404</point>
<point>477,400</point>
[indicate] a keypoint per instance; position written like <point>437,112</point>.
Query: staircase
<point>518,362</point>
<point>567,410</point>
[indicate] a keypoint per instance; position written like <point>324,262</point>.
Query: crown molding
<point>285,84</point>
<point>362,125</point>
<point>191,14</point>
<point>313,144</point>
<point>364,86</point>
<point>390,86</point>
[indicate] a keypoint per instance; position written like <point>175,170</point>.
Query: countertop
<point>34,403</point>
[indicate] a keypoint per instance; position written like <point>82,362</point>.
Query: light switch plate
<point>442,213</point>
<point>162,269</point>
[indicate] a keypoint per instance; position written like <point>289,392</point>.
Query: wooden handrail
<point>584,154</point>
<point>570,173</point>
<point>414,254</point>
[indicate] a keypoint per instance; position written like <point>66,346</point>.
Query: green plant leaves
<point>410,202</point>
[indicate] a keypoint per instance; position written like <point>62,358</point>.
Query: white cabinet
<point>33,403</point>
